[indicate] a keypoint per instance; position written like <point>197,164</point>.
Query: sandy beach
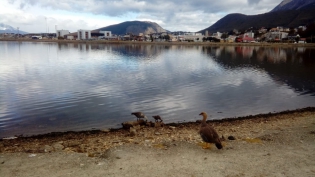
<point>277,144</point>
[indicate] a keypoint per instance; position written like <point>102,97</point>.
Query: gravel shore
<point>279,144</point>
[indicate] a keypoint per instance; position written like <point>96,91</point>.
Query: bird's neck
<point>204,117</point>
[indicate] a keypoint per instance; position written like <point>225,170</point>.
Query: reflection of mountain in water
<point>292,66</point>
<point>130,50</point>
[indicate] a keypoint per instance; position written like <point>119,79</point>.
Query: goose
<point>157,118</point>
<point>207,132</point>
<point>139,115</point>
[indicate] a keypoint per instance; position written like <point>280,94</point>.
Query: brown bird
<point>207,132</point>
<point>139,115</point>
<point>157,118</point>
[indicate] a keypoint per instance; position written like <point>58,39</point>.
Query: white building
<point>196,37</point>
<point>249,34</point>
<point>84,34</point>
<point>206,33</point>
<point>217,35</point>
<point>276,35</point>
<point>106,33</point>
<point>62,33</point>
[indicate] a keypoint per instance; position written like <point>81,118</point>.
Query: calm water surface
<point>49,87</point>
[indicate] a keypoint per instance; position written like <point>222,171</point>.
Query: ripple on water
<point>79,87</point>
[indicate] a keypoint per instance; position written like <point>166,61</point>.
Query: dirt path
<point>267,145</point>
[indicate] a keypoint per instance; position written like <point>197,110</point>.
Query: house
<point>230,39</point>
<point>286,29</point>
<point>179,38</point>
<point>303,28</point>
<point>173,38</point>
<point>195,37</point>
<point>280,28</point>
<point>217,35</point>
<point>274,30</point>
<point>302,40</point>
<point>147,37</point>
<point>262,30</point>
<point>276,36</point>
<point>249,34</point>
<point>126,37</point>
<point>246,37</point>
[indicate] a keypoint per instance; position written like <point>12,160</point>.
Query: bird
<point>139,115</point>
<point>208,134</point>
<point>157,118</point>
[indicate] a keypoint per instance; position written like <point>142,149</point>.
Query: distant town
<point>272,35</point>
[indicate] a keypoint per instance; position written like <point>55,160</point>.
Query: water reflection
<point>292,66</point>
<point>49,87</point>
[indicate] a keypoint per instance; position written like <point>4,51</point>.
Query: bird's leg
<point>207,146</point>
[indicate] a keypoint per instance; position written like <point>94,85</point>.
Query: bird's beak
<point>200,114</point>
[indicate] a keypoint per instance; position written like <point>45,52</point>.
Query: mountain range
<point>293,5</point>
<point>9,29</point>
<point>289,13</point>
<point>134,27</point>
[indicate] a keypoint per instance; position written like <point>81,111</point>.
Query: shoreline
<point>263,44</point>
<point>264,116</point>
<point>276,144</point>
<point>167,129</point>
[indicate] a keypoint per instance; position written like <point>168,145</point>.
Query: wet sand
<point>277,144</point>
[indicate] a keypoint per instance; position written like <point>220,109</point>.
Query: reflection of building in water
<point>231,51</point>
<point>218,52</point>
<point>301,49</point>
<point>274,55</point>
<point>84,47</point>
<point>66,46</point>
<point>281,56</point>
<point>245,51</point>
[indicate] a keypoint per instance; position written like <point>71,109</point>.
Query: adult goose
<point>207,132</point>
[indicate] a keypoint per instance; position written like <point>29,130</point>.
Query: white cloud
<point>91,14</point>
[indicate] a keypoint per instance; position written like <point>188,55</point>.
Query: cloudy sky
<point>173,15</point>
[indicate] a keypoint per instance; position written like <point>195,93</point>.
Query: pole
<point>46,25</point>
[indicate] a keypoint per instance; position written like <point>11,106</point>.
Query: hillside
<point>134,27</point>
<point>285,18</point>
<point>293,5</point>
